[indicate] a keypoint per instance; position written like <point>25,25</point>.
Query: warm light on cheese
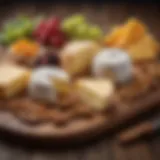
<point>76,56</point>
<point>126,34</point>
<point>13,79</point>
<point>145,49</point>
<point>61,85</point>
<point>95,92</point>
<point>134,37</point>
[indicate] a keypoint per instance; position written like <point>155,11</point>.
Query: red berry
<point>55,22</point>
<point>57,41</point>
<point>53,26</point>
<point>40,28</point>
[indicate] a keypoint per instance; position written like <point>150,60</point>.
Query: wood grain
<point>106,15</point>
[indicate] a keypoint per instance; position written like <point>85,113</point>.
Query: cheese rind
<point>96,93</point>
<point>46,82</point>
<point>112,63</point>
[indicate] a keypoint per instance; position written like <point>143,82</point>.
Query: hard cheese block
<point>47,82</point>
<point>76,56</point>
<point>96,93</point>
<point>13,79</point>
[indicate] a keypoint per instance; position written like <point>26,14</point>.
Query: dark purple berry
<point>48,59</point>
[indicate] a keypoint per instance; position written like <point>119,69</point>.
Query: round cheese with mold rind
<point>42,85</point>
<point>114,63</point>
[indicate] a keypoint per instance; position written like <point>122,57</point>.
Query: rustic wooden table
<point>107,147</point>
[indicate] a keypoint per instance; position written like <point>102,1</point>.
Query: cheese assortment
<point>135,38</point>
<point>46,82</point>
<point>114,63</point>
<point>72,58</point>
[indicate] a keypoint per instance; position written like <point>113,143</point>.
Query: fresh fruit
<point>57,40</point>
<point>20,27</point>
<point>70,23</point>
<point>25,48</point>
<point>95,32</point>
<point>82,31</point>
<point>77,27</point>
<point>49,33</point>
<point>48,59</point>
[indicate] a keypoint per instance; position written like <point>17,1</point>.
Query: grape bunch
<point>17,28</point>
<point>76,27</point>
<point>49,32</point>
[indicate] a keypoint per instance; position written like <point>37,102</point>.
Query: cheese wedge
<point>76,56</point>
<point>95,92</point>
<point>13,79</point>
<point>145,49</point>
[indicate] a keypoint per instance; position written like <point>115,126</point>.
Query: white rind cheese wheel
<point>42,86</point>
<point>113,62</point>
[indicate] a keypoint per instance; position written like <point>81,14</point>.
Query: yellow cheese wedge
<point>76,56</point>
<point>145,49</point>
<point>95,92</point>
<point>13,79</point>
<point>62,86</point>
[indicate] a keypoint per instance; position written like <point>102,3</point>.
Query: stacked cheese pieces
<point>135,38</point>
<point>13,79</point>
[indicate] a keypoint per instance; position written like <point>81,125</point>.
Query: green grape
<point>69,24</point>
<point>2,38</point>
<point>82,31</point>
<point>95,32</point>
<point>78,19</point>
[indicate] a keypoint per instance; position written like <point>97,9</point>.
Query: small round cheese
<point>42,86</point>
<point>113,62</point>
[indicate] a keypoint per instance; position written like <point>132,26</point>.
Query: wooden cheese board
<point>70,119</point>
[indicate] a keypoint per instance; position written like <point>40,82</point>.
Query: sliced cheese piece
<point>13,79</point>
<point>96,93</point>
